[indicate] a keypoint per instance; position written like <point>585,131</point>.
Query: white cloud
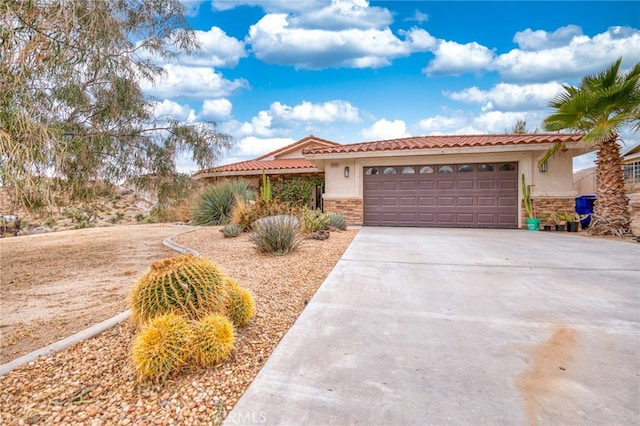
<point>275,40</point>
<point>193,82</point>
<point>579,56</point>
<point>418,16</point>
<point>216,109</point>
<point>173,110</point>
<point>497,121</point>
<point>343,14</point>
<point>385,129</point>
<point>260,125</point>
<point>538,40</point>
<point>440,125</point>
<point>217,49</point>
<point>251,147</point>
<point>509,96</point>
<point>327,112</point>
<point>452,58</point>
<point>192,7</point>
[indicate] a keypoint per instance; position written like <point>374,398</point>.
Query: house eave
<point>574,147</point>
<point>256,172</point>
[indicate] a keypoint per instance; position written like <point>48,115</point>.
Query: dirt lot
<point>55,284</point>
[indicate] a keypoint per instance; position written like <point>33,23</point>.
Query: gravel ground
<point>92,382</point>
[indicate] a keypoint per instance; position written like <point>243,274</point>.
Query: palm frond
<point>551,152</point>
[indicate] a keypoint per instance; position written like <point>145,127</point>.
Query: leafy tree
<point>600,107</point>
<point>72,112</point>
<point>520,127</point>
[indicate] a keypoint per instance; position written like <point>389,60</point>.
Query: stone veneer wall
<point>351,209</point>
<point>547,207</point>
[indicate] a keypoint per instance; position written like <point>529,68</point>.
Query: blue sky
<point>273,72</point>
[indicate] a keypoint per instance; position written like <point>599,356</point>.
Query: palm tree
<point>602,105</point>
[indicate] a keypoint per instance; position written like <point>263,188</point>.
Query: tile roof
<point>260,165</point>
<point>449,141</point>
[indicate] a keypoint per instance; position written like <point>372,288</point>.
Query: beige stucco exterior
<point>556,182</point>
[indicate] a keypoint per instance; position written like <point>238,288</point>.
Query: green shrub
<point>218,201</point>
<point>245,214</point>
<point>296,192</point>
<point>232,230</point>
<point>336,220</point>
<point>277,234</point>
<point>314,220</point>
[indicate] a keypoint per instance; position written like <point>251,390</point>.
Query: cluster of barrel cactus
<point>186,309</point>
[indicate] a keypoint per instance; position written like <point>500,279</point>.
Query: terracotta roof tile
<point>260,165</point>
<point>450,141</point>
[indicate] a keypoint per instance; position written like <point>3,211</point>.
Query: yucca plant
<point>212,340</point>
<point>277,234</point>
<point>336,220</point>
<point>217,202</point>
<point>240,307</point>
<point>185,285</point>
<point>161,346</point>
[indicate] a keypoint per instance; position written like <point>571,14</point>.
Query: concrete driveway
<point>457,326</point>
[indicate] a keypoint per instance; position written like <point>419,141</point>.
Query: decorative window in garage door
<point>446,195</point>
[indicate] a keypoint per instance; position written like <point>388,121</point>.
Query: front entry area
<point>474,195</point>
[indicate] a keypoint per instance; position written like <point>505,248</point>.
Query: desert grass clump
<point>184,285</point>
<point>277,234</point>
<point>217,202</point>
<point>337,221</point>
<point>161,346</point>
<point>232,230</point>
<point>240,307</point>
<point>212,340</point>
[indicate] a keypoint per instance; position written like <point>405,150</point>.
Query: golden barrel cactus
<point>239,305</point>
<point>212,340</point>
<point>161,346</point>
<point>185,285</point>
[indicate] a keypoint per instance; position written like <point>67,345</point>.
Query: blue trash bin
<point>584,207</point>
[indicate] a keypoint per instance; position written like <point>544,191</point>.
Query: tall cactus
<point>265,189</point>
<point>184,285</point>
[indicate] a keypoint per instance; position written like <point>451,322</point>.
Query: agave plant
<point>218,201</point>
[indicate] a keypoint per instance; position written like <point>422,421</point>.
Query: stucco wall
<point>557,182</point>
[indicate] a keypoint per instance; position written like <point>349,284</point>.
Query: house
<point>284,163</point>
<point>279,165</point>
<point>631,164</point>
<point>448,181</point>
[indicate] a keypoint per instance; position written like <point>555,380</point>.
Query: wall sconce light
<point>346,171</point>
<point>543,167</point>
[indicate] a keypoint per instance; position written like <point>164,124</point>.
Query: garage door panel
<point>426,201</point>
<point>465,184</point>
<point>486,184</point>
<point>466,201</point>
<point>471,195</point>
<point>426,185</point>
<point>484,201</point>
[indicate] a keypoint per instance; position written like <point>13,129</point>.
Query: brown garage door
<point>483,195</point>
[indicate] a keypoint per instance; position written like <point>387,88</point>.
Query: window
<point>507,167</point>
<point>445,169</point>
<point>389,171</point>
<point>485,168</point>
<point>408,170</point>
<point>371,171</point>
<point>465,168</point>
<point>426,169</point>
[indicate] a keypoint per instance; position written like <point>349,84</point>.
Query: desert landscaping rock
<point>92,382</point>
